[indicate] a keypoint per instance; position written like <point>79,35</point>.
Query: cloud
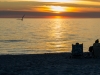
<point>18,8</point>
<point>44,14</point>
<point>92,0</point>
<point>27,5</point>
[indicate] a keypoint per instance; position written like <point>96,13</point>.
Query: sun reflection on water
<point>58,34</point>
<point>56,29</point>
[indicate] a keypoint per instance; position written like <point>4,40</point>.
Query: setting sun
<point>58,0</point>
<point>57,9</point>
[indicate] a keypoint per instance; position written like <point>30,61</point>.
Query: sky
<point>50,8</point>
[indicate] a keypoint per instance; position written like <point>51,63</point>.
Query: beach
<point>48,64</point>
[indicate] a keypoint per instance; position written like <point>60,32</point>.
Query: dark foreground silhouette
<point>48,64</point>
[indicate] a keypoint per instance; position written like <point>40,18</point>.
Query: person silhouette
<point>97,41</point>
<point>91,48</point>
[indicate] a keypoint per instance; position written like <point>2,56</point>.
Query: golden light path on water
<point>57,32</point>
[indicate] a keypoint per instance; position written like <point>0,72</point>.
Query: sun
<point>57,9</point>
<point>57,0</point>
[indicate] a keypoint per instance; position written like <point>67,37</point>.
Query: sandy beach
<point>48,64</point>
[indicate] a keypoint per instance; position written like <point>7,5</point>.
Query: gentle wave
<point>12,41</point>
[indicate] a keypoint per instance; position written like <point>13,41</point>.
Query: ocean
<point>44,35</point>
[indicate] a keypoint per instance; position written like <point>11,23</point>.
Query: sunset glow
<point>49,8</point>
<point>57,9</point>
<point>58,0</point>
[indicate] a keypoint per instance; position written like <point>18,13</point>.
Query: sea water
<point>44,35</point>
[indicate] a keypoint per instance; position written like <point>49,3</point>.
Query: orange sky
<point>50,6</point>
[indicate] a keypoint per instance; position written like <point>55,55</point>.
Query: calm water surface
<point>35,36</point>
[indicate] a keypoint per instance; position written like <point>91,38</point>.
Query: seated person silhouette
<point>96,48</point>
<point>93,49</point>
